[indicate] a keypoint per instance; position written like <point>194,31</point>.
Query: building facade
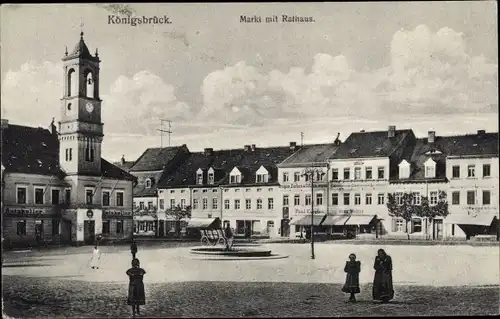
<point>57,188</point>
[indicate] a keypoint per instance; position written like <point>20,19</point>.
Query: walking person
<point>352,269</point>
<point>95,259</point>
<point>382,282</point>
<point>136,295</point>
<point>228,233</point>
<point>133,249</point>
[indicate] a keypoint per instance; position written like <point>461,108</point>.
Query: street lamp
<point>311,172</point>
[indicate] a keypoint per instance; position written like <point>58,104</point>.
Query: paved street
<point>437,280</point>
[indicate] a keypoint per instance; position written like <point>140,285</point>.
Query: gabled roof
<point>140,189</point>
<point>124,165</point>
<point>155,159</point>
<point>313,153</point>
<point>485,144</point>
<point>370,144</point>
<point>114,172</point>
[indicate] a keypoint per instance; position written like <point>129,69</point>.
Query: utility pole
<point>169,131</point>
<point>301,138</point>
<point>312,172</point>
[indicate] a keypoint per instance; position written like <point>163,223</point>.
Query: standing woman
<point>133,249</point>
<point>352,268</point>
<point>382,282</point>
<point>228,233</point>
<point>136,295</point>
<point>96,257</point>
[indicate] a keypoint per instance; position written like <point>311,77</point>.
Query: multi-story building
<point>297,189</point>
<point>239,186</point>
<point>57,187</point>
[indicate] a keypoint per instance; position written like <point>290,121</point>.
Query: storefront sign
<point>27,212</point>
<point>115,213</point>
<point>90,213</point>
<point>305,185</point>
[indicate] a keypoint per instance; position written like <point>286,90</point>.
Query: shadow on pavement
<point>24,265</point>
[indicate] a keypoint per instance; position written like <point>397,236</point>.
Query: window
<point>486,170</point>
<point>89,196</point>
<point>226,204</point>
<point>285,200</point>
<point>335,199</point>
<point>236,204</point>
<point>38,195</point>
<point>215,203</point>
<point>416,225</point>
<point>105,227</point>
<point>141,205</point>
<point>55,227</point>
<point>471,197</point>
<point>381,173</point>
<point>430,171</point>
<point>248,203</point>
<point>148,183</point>
<point>270,189</point>
<point>455,198</point>
<point>195,203</point>
<point>346,198</point>
<point>204,190</point>
<point>105,198</point>
<point>455,171</point>
<point>335,174</point>
<point>319,199</point>
<point>368,199</point>
<point>368,173</point>
<point>357,199</point>
<point>357,173</point>
<point>417,199</point>
<point>381,198</point>
<point>214,190</point>
<point>235,179</point>
<point>205,203</point>
<point>199,179</point>
<point>399,198</point>
<point>173,191</point>
<point>486,198</point>
<point>306,177</point>
<point>259,189</point>
<point>67,196</point>
<point>69,154</point>
<point>347,173</point>
<point>433,198</point>
<point>150,205</point>
<point>183,203</point>
<point>308,200</point>
<point>270,203</point>
<point>119,226</point>
<point>453,229</point>
<point>296,200</point>
<point>211,178</point>
<point>172,202</point>
<point>260,178</point>
<point>119,199</point>
<point>285,177</point>
<point>55,196</point>
<point>21,195</point>
<point>89,151</point>
<point>400,225</point>
<point>296,176</point>
<point>162,204</point>
<point>320,176</point>
<point>471,171</point>
<point>259,203</point>
<point>21,227</point>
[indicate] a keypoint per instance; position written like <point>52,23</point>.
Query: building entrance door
<point>285,228</point>
<point>438,229</point>
<point>39,231</point>
<point>161,228</point>
<point>89,232</point>
<point>248,228</point>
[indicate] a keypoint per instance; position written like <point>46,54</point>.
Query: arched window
<point>89,84</point>
<point>72,82</point>
<point>148,183</point>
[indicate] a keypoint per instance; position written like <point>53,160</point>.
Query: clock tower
<point>80,128</point>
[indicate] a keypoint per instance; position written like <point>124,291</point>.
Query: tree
<point>431,212</point>
<point>403,207</point>
<point>178,213</point>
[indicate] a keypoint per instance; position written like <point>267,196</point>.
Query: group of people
<point>382,281</point>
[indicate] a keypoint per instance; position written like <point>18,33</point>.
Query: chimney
<point>246,148</point>
<point>431,137</point>
<point>392,131</point>
<point>208,151</point>
<point>253,147</point>
<point>337,139</point>
<point>5,124</point>
<point>481,132</point>
<point>362,131</point>
<point>123,160</point>
<point>293,145</point>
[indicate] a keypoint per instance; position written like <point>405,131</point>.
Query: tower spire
<point>81,29</point>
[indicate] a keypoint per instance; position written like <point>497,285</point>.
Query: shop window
<point>416,225</point>
<point>105,227</point>
<point>21,227</point>
<point>119,227</point>
<point>240,227</point>
<point>55,227</point>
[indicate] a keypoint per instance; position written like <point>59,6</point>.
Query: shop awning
<point>203,222</point>
<point>463,219</point>
<point>360,219</point>
<point>335,220</point>
<point>306,220</point>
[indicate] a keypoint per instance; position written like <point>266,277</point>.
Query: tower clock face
<point>89,107</point>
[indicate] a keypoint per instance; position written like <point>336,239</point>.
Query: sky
<point>224,83</point>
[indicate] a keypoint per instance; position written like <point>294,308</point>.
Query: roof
<point>473,144</point>
<point>314,153</point>
<point>370,144</point>
<point>140,189</point>
<point>81,51</point>
<point>124,165</point>
<point>155,159</point>
<point>30,150</point>
<point>114,172</point>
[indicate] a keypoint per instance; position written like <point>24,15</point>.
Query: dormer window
<point>430,168</point>
<point>148,183</point>
<point>262,178</point>
<point>404,169</point>
<point>211,176</point>
<point>235,176</point>
<point>262,175</point>
<point>199,177</point>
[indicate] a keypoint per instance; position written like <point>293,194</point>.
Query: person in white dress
<point>94,260</point>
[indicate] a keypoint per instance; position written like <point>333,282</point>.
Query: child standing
<point>96,256</point>
<point>352,268</point>
<point>136,294</point>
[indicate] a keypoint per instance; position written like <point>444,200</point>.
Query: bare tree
<point>178,213</point>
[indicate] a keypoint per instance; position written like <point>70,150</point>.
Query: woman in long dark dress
<point>136,295</point>
<point>352,268</point>
<point>382,282</point>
